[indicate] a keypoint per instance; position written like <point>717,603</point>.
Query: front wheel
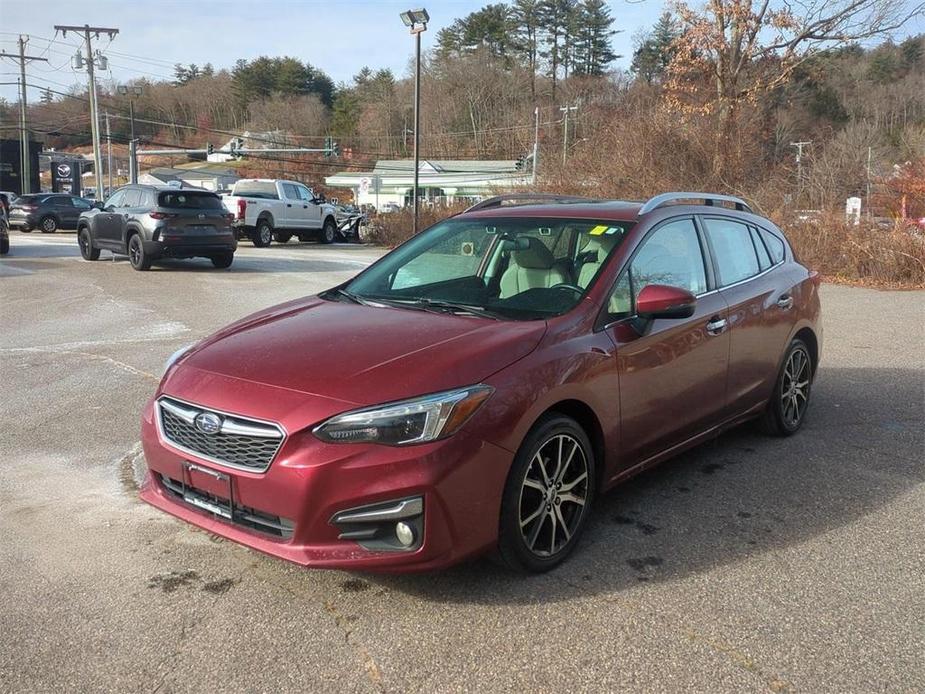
<point>223,260</point>
<point>263,234</point>
<point>329,231</point>
<point>136,254</point>
<point>48,225</point>
<point>4,245</point>
<point>786,410</point>
<point>87,251</point>
<point>547,497</point>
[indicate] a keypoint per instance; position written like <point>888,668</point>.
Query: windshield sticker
<point>598,230</point>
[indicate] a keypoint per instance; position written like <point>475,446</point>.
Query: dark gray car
<point>152,222</point>
<point>47,212</point>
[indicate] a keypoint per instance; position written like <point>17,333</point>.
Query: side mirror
<point>98,204</point>
<point>662,301</point>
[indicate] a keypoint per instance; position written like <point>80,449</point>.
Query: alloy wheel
<point>134,251</point>
<point>266,235</point>
<point>553,495</point>
<point>49,225</point>
<point>794,392</point>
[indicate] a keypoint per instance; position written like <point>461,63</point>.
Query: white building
<point>439,181</point>
<point>208,177</point>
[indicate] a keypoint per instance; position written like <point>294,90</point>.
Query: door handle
<point>716,325</point>
<point>288,205</point>
<point>785,302</point>
<point>304,207</point>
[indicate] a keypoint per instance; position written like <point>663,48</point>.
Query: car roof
<point>617,210</point>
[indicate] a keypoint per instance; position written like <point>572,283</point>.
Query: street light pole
<point>131,93</point>
<point>416,20</point>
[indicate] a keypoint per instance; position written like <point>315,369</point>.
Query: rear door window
<point>190,200</point>
<point>764,260</point>
<point>290,191</point>
<point>132,198</point>
<point>81,204</point>
<point>736,258</point>
<point>62,202</point>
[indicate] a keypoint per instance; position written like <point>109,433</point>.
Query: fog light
<point>405,534</point>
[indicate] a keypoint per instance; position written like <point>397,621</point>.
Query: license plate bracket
<point>198,479</point>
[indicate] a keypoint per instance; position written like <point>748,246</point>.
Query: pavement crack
<point>369,663</point>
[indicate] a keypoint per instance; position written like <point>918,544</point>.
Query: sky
<point>337,36</point>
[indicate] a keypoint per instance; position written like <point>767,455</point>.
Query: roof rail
<point>548,197</point>
<point>709,199</point>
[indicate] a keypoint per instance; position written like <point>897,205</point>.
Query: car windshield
<point>521,269</point>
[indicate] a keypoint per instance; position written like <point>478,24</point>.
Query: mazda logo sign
<point>64,170</point>
<point>208,423</point>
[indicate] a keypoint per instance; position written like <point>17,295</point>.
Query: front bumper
<point>460,481</point>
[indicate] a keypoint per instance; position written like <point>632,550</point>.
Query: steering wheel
<point>566,285</point>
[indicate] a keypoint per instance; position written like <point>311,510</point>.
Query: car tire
<point>85,242</point>
<point>786,410</point>
<point>223,260</point>
<point>263,233</point>
<point>541,517</point>
<point>328,231</point>
<point>4,246</point>
<point>136,254</point>
<point>283,236</point>
<point>48,224</point>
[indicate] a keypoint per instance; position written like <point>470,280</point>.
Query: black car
<point>47,212</point>
<point>152,222</point>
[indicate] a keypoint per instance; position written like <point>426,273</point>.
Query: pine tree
<point>555,16</point>
<point>653,56</point>
<point>526,25</point>
<point>592,49</point>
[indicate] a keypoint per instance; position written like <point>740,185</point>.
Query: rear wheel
<point>4,245</point>
<point>223,260</point>
<point>48,225</point>
<point>283,236</point>
<point>787,408</point>
<point>87,251</point>
<point>263,234</point>
<point>329,231</point>
<point>136,254</point>
<point>547,497</point>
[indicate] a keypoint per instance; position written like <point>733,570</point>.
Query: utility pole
<point>91,62</point>
<point>416,21</point>
<point>867,201</point>
<point>565,109</point>
<point>800,146</point>
<point>25,158</point>
<point>536,142</point>
<point>131,92</point>
<point>108,151</point>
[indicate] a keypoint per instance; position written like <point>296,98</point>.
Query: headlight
<point>417,420</point>
<point>172,359</point>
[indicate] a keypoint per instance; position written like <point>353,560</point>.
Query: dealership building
<point>439,181</point>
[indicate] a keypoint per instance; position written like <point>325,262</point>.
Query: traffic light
<point>209,148</point>
<point>335,149</point>
<point>328,146</point>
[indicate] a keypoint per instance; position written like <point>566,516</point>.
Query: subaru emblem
<point>208,423</point>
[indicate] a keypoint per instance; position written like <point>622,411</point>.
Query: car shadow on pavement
<point>248,265</point>
<point>738,497</point>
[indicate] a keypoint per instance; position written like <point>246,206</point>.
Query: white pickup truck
<point>264,209</point>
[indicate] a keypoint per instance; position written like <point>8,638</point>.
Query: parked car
<point>47,212</point>
<point>477,387</point>
<point>148,223</point>
<point>4,223</point>
<point>268,208</point>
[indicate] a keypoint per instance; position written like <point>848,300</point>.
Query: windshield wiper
<point>442,306</point>
<point>355,298</point>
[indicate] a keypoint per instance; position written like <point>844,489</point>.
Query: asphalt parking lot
<point>748,564</point>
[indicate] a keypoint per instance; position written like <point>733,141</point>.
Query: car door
<point>130,204</point>
<point>65,211</point>
<point>671,372</point>
<point>311,210</point>
<point>760,302</point>
<point>107,223</point>
<point>292,207</point>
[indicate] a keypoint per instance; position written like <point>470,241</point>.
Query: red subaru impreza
<point>477,387</point>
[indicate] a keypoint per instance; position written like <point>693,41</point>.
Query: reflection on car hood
<point>361,354</point>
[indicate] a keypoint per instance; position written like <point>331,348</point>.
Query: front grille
<point>240,443</point>
<point>239,515</point>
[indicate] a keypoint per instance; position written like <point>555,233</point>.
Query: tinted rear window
<point>190,200</point>
<point>774,244</point>
<point>256,189</point>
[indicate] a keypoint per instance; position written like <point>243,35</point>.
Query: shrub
<point>394,228</point>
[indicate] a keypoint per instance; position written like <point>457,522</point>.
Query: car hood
<point>356,354</point>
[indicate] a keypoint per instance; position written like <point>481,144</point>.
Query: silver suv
<point>152,222</point>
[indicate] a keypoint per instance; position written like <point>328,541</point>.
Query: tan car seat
<point>531,268</point>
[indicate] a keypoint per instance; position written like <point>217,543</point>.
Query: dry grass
<point>395,227</point>
<point>863,254</point>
